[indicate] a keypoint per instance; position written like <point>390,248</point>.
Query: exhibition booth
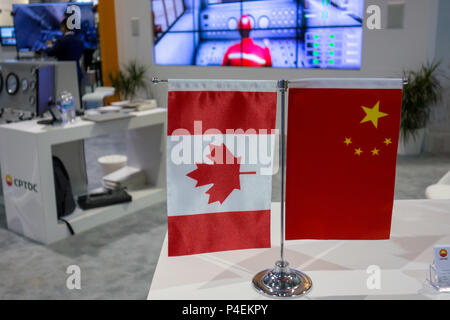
<point>264,140</point>
<point>34,87</point>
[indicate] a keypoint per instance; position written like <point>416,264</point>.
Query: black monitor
<point>46,97</point>
<point>8,36</point>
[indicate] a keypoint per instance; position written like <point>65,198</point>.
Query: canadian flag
<point>220,145</point>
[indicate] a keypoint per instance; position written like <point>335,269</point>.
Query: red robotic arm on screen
<point>247,53</point>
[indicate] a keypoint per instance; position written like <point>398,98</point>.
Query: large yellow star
<point>373,114</point>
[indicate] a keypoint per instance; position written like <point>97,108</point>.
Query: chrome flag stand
<point>282,281</point>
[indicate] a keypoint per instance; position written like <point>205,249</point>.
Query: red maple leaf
<point>224,173</point>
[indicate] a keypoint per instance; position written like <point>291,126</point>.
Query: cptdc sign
<point>20,183</point>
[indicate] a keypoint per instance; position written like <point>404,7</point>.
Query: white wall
<point>131,47</point>
<point>439,128</point>
<point>6,7</point>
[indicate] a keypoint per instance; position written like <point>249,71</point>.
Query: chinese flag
<point>341,158</point>
<point>218,198</point>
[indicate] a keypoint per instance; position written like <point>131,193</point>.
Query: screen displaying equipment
<point>259,33</point>
<point>8,36</point>
<point>38,23</point>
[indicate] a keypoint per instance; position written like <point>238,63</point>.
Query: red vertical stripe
<point>201,233</point>
<point>221,110</point>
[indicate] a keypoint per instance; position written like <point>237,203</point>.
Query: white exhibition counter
<point>26,150</point>
<point>338,269</point>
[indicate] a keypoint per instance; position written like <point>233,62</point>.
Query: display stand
<point>26,150</point>
<point>282,281</point>
<point>434,280</point>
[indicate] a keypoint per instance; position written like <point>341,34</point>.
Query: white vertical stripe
<point>184,198</point>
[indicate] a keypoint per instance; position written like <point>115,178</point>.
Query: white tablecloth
<point>338,269</point>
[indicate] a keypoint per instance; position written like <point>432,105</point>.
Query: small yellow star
<point>387,141</point>
<point>373,114</point>
<point>348,141</point>
<point>375,152</point>
<point>358,151</point>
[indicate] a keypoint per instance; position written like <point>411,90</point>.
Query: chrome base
<point>282,282</point>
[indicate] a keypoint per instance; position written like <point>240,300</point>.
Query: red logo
<point>224,173</point>
<point>9,180</point>
<point>443,253</point>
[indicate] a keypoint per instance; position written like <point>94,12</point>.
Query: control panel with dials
<point>20,86</point>
<point>266,18</point>
<point>274,25</point>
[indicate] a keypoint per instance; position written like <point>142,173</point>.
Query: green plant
<point>420,94</point>
<point>130,80</point>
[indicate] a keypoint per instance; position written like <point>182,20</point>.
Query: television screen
<point>260,33</point>
<point>8,36</point>
<point>38,23</point>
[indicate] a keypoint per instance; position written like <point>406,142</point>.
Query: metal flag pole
<point>282,281</point>
<point>282,87</point>
<point>157,80</point>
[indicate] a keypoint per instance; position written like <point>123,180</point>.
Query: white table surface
<point>82,129</point>
<point>338,269</point>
